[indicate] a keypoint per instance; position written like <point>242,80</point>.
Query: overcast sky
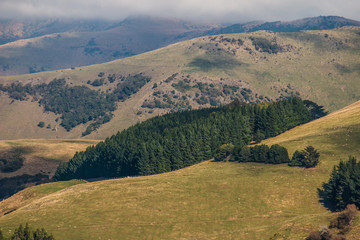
<point>224,11</point>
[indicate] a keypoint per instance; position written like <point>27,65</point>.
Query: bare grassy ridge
<point>210,200</point>
<point>322,66</point>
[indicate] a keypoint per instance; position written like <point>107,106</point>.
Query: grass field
<point>210,200</point>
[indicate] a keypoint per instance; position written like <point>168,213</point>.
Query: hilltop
<point>210,200</point>
<point>312,23</point>
<point>322,66</point>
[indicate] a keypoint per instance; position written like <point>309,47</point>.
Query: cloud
<point>206,10</point>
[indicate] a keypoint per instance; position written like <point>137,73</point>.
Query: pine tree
<point>311,157</point>
<point>343,187</point>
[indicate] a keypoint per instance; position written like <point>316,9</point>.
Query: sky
<point>219,11</point>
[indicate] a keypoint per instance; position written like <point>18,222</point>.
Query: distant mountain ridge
<point>313,23</point>
<point>12,30</point>
<point>45,45</point>
<point>86,42</point>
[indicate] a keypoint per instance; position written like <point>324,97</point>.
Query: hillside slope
<point>322,66</point>
<point>211,200</point>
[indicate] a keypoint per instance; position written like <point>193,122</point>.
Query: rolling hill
<point>210,200</point>
<point>322,66</point>
<point>32,45</point>
<point>313,23</point>
<point>45,45</point>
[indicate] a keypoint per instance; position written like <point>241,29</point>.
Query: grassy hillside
<point>211,200</point>
<point>322,66</point>
<point>42,156</point>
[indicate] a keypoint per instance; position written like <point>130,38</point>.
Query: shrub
<point>323,234</point>
<point>41,124</point>
<point>344,219</point>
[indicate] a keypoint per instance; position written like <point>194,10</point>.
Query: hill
<point>45,45</point>
<point>210,200</point>
<point>15,29</point>
<point>313,23</point>
<point>322,66</point>
<point>30,46</point>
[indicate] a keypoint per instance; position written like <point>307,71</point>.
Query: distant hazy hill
<point>314,23</point>
<point>50,45</point>
<point>43,45</point>
<point>12,30</point>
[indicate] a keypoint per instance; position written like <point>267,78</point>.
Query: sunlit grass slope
<point>211,200</point>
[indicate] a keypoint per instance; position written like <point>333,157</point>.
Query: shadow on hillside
<point>327,204</point>
<point>215,62</point>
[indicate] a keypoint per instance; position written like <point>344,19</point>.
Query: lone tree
<point>311,157</point>
<point>308,158</point>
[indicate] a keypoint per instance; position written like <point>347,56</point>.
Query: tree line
<point>177,140</point>
<point>27,233</point>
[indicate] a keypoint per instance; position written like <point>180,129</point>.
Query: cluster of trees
<point>181,139</point>
<point>308,158</point>
<point>264,45</point>
<point>343,187</point>
<point>77,104</point>
<point>130,85</point>
<point>260,153</point>
<point>26,233</point>
<point>97,82</point>
<point>316,110</point>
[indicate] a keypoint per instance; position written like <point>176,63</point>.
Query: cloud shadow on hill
<point>206,64</point>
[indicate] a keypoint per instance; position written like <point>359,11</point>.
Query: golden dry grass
<point>210,200</point>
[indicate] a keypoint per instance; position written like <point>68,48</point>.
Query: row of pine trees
<point>177,140</point>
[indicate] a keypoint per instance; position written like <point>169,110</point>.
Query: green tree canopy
<point>343,187</point>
